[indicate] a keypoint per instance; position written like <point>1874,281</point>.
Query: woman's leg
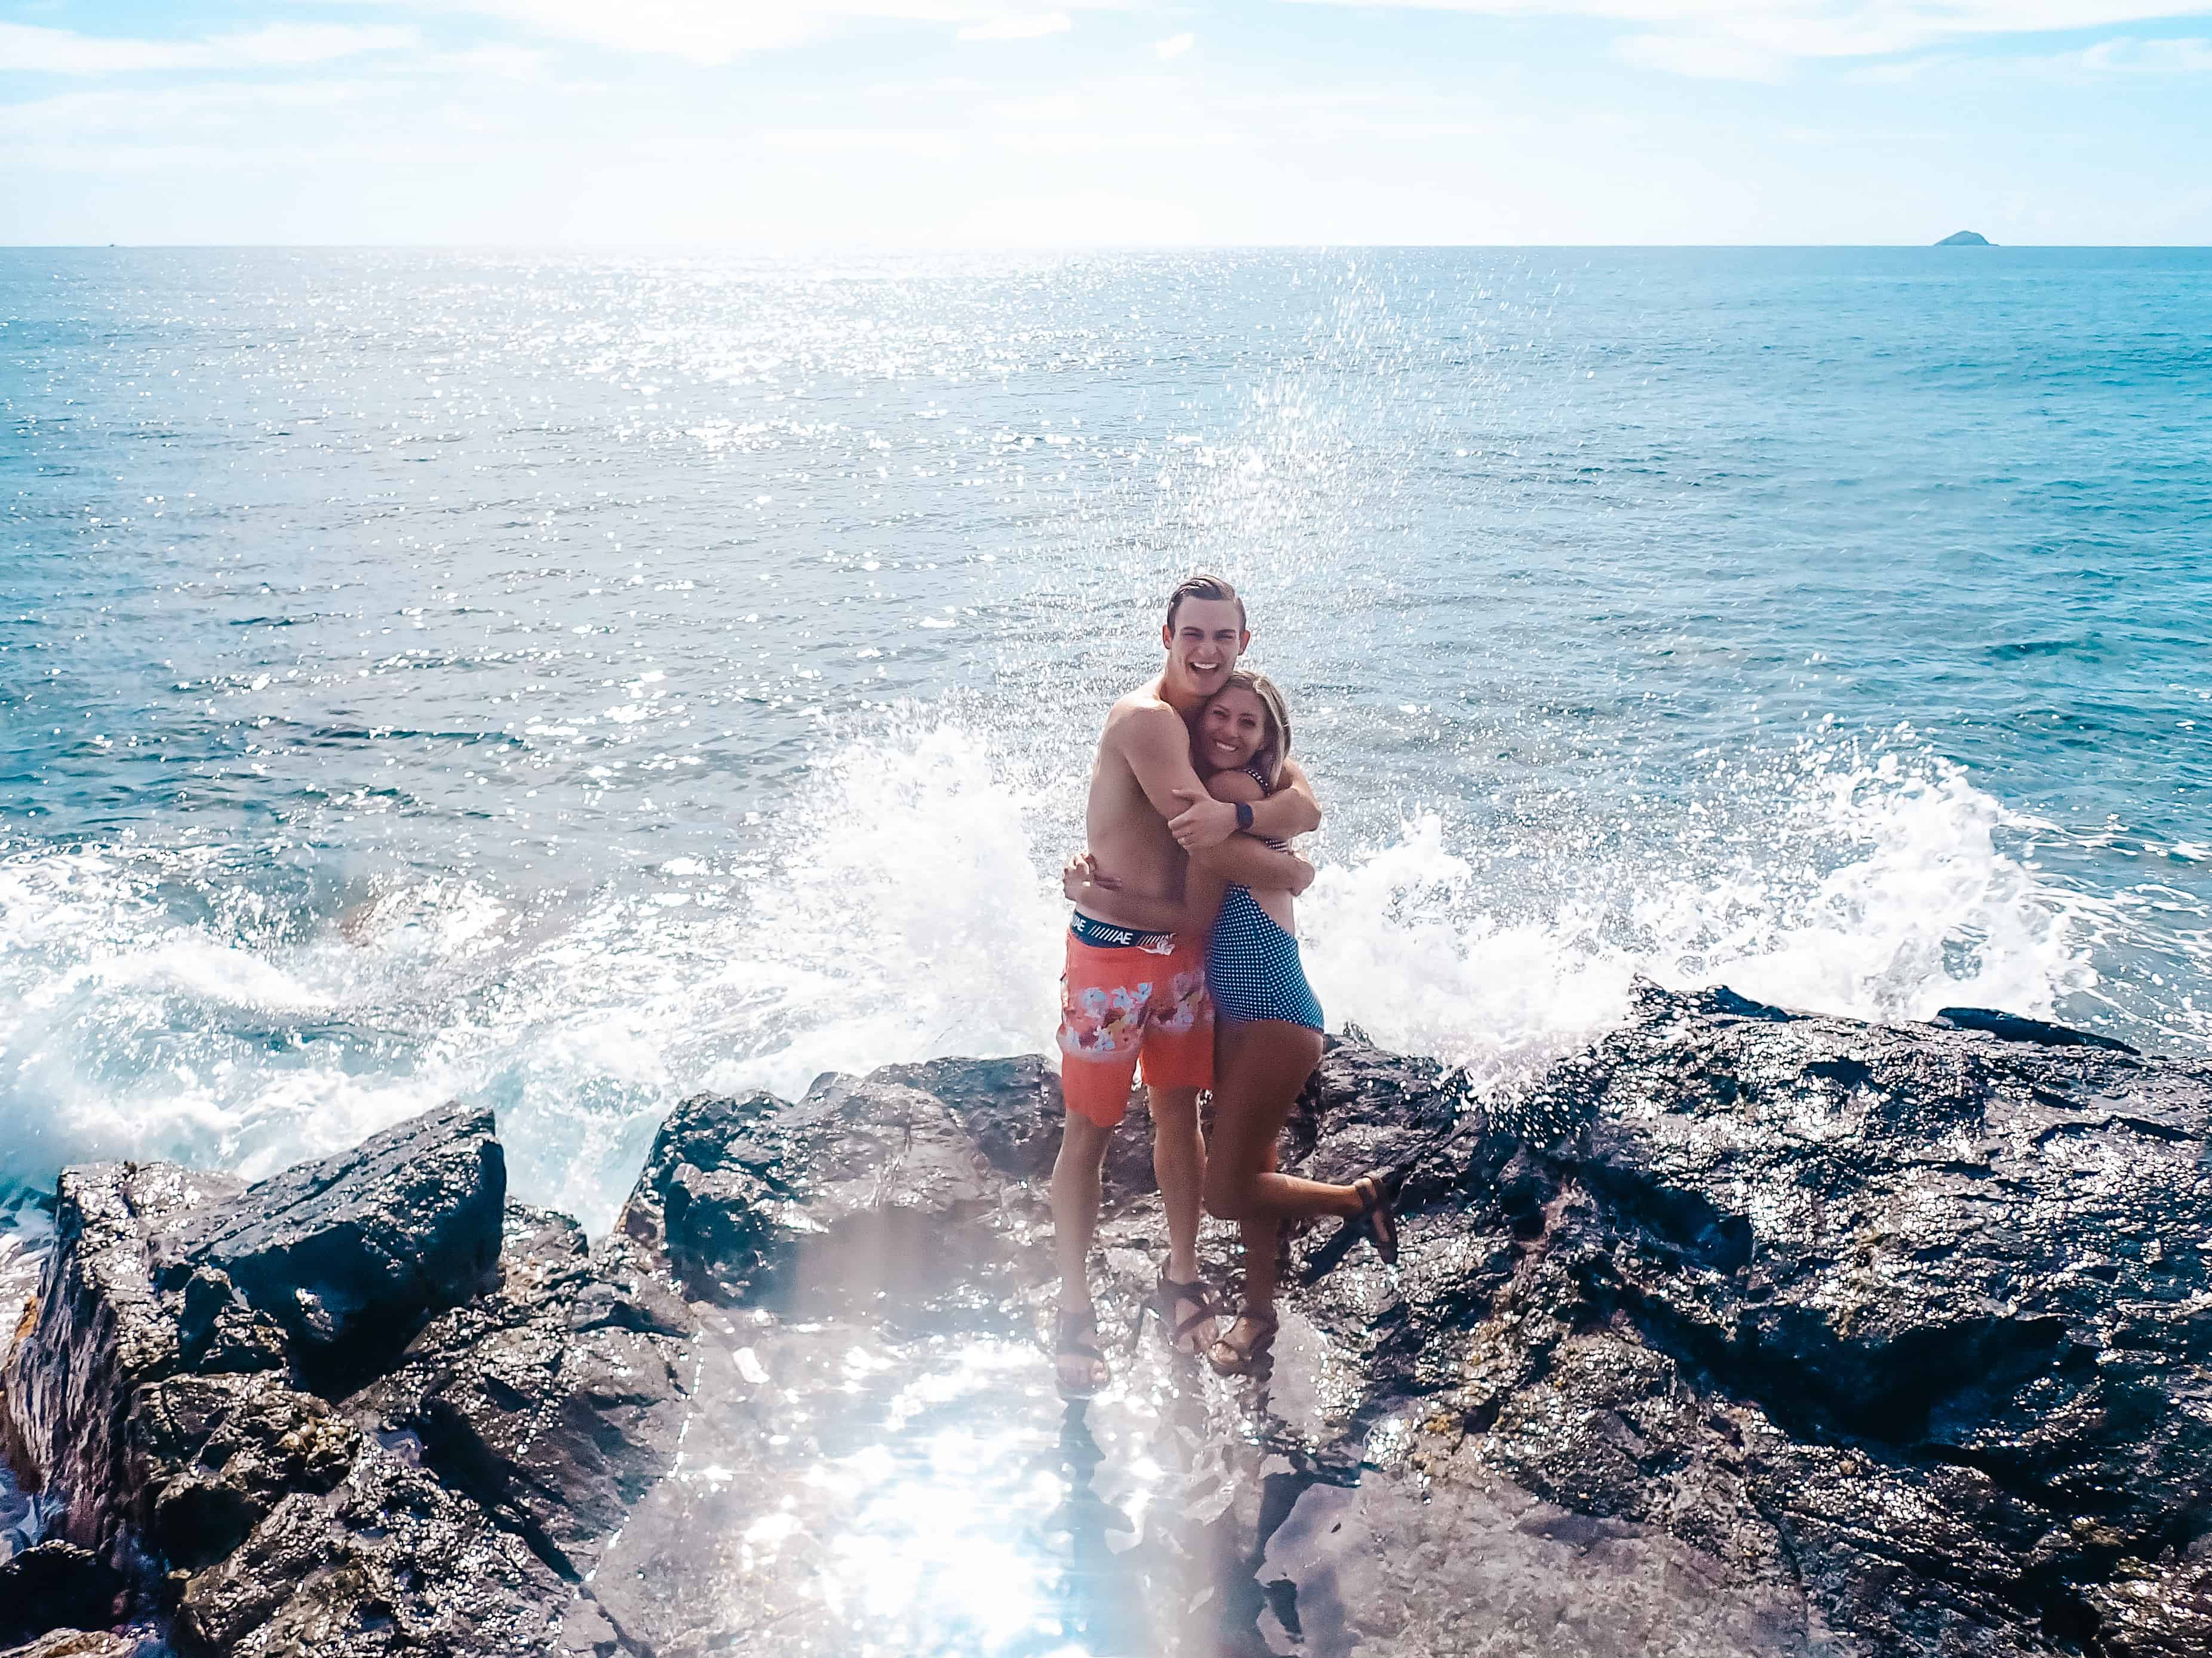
<point>1263,1235</point>
<point>1260,1069</point>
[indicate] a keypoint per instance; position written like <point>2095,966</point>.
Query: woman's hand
<point>1083,872</point>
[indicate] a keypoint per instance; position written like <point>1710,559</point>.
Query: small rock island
<point>1965,239</point>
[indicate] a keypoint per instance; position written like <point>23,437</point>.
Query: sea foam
<point>907,908</point>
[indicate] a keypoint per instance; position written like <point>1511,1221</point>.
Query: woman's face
<point>1232,730</point>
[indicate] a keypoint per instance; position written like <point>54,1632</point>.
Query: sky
<point>931,123</point>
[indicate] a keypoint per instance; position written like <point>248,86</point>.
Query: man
<point>1129,994</point>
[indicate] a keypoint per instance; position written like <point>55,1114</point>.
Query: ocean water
<point>575,681</point>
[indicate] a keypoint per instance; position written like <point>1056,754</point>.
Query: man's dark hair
<point>1202,586</point>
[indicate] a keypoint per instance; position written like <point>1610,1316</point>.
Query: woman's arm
<point>1087,889</point>
<point>1201,898</point>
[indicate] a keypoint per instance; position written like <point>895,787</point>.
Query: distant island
<point>1967,238</point>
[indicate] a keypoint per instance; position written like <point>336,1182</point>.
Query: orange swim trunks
<point>1121,1003</point>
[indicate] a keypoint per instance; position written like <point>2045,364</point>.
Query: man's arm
<point>1292,810</point>
<point>1157,745</point>
<point>1286,869</point>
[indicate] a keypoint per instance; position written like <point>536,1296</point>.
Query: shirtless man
<point>1127,992</point>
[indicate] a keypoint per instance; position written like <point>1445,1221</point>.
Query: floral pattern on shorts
<point>1187,1002</point>
<point>1104,1021</point>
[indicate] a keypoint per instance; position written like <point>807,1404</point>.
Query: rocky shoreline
<point>1745,1332</point>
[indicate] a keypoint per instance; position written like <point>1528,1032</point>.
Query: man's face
<point>1203,644</point>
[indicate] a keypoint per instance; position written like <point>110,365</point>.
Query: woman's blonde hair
<point>1275,746</point>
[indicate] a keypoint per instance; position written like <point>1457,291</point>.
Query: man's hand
<point>1304,877</point>
<point>1204,821</point>
<point>1082,871</point>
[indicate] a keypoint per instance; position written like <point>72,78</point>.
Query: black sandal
<point>1076,1336</point>
<point>1257,1352</point>
<point>1378,1190</point>
<point>1168,1294</point>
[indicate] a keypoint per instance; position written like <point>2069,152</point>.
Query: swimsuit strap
<point>1253,772</point>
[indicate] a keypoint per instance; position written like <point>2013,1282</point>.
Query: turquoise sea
<point>576,680</point>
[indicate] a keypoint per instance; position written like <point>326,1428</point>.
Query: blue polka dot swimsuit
<point>1252,966</point>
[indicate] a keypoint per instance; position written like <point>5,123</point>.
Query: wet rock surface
<point>55,1582</point>
<point>83,1644</point>
<point>1742,1333</point>
<point>347,1257</point>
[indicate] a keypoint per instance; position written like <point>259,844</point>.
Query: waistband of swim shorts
<point>1105,935</point>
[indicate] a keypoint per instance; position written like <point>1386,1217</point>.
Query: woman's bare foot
<point>1249,1344</point>
<point>1377,1218</point>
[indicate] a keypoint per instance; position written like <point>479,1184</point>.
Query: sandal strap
<point>1069,1341</point>
<point>1173,1293</point>
<point>1245,1354</point>
<point>1262,1329</point>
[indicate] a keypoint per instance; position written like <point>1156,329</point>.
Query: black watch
<point>1243,814</point>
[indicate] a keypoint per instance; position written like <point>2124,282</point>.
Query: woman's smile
<point>1233,730</point>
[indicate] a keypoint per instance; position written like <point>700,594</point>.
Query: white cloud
<point>703,33</point>
<point>204,111</point>
<point>64,52</point>
<point>2191,57</point>
<point>295,44</point>
<point>863,141</point>
<point>1707,56</point>
<point>1174,47</point>
<point>495,61</point>
<point>715,32</point>
<point>1017,27</point>
<point>61,51</point>
<point>1727,37</point>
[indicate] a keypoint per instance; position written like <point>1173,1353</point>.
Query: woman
<point>1267,1024</point>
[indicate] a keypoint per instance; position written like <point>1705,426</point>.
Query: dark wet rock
<point>393,1561</point>
<point>556,1402</point>
<point>99,1330</point>
<point>351,1255</point>
<point>2013,1028</point>
<point>863,1192</point>
<point>1743,1332</point>
<point>55,1582</point>
<point>1012,1109</point>
<point>215,1453</point>
<point>486,1470</point>
<point>1919,1317</point>
<point>202,1453</point>
<point>82,1643</point>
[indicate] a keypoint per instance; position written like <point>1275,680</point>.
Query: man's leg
<point>1075,1174</point>
<point>1179,1165</point>
<point>1178,1067</point>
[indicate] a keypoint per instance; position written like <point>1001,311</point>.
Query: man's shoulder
<point>1141,712</point>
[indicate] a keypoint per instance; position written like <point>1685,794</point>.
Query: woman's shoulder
<point>1234,786</point>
